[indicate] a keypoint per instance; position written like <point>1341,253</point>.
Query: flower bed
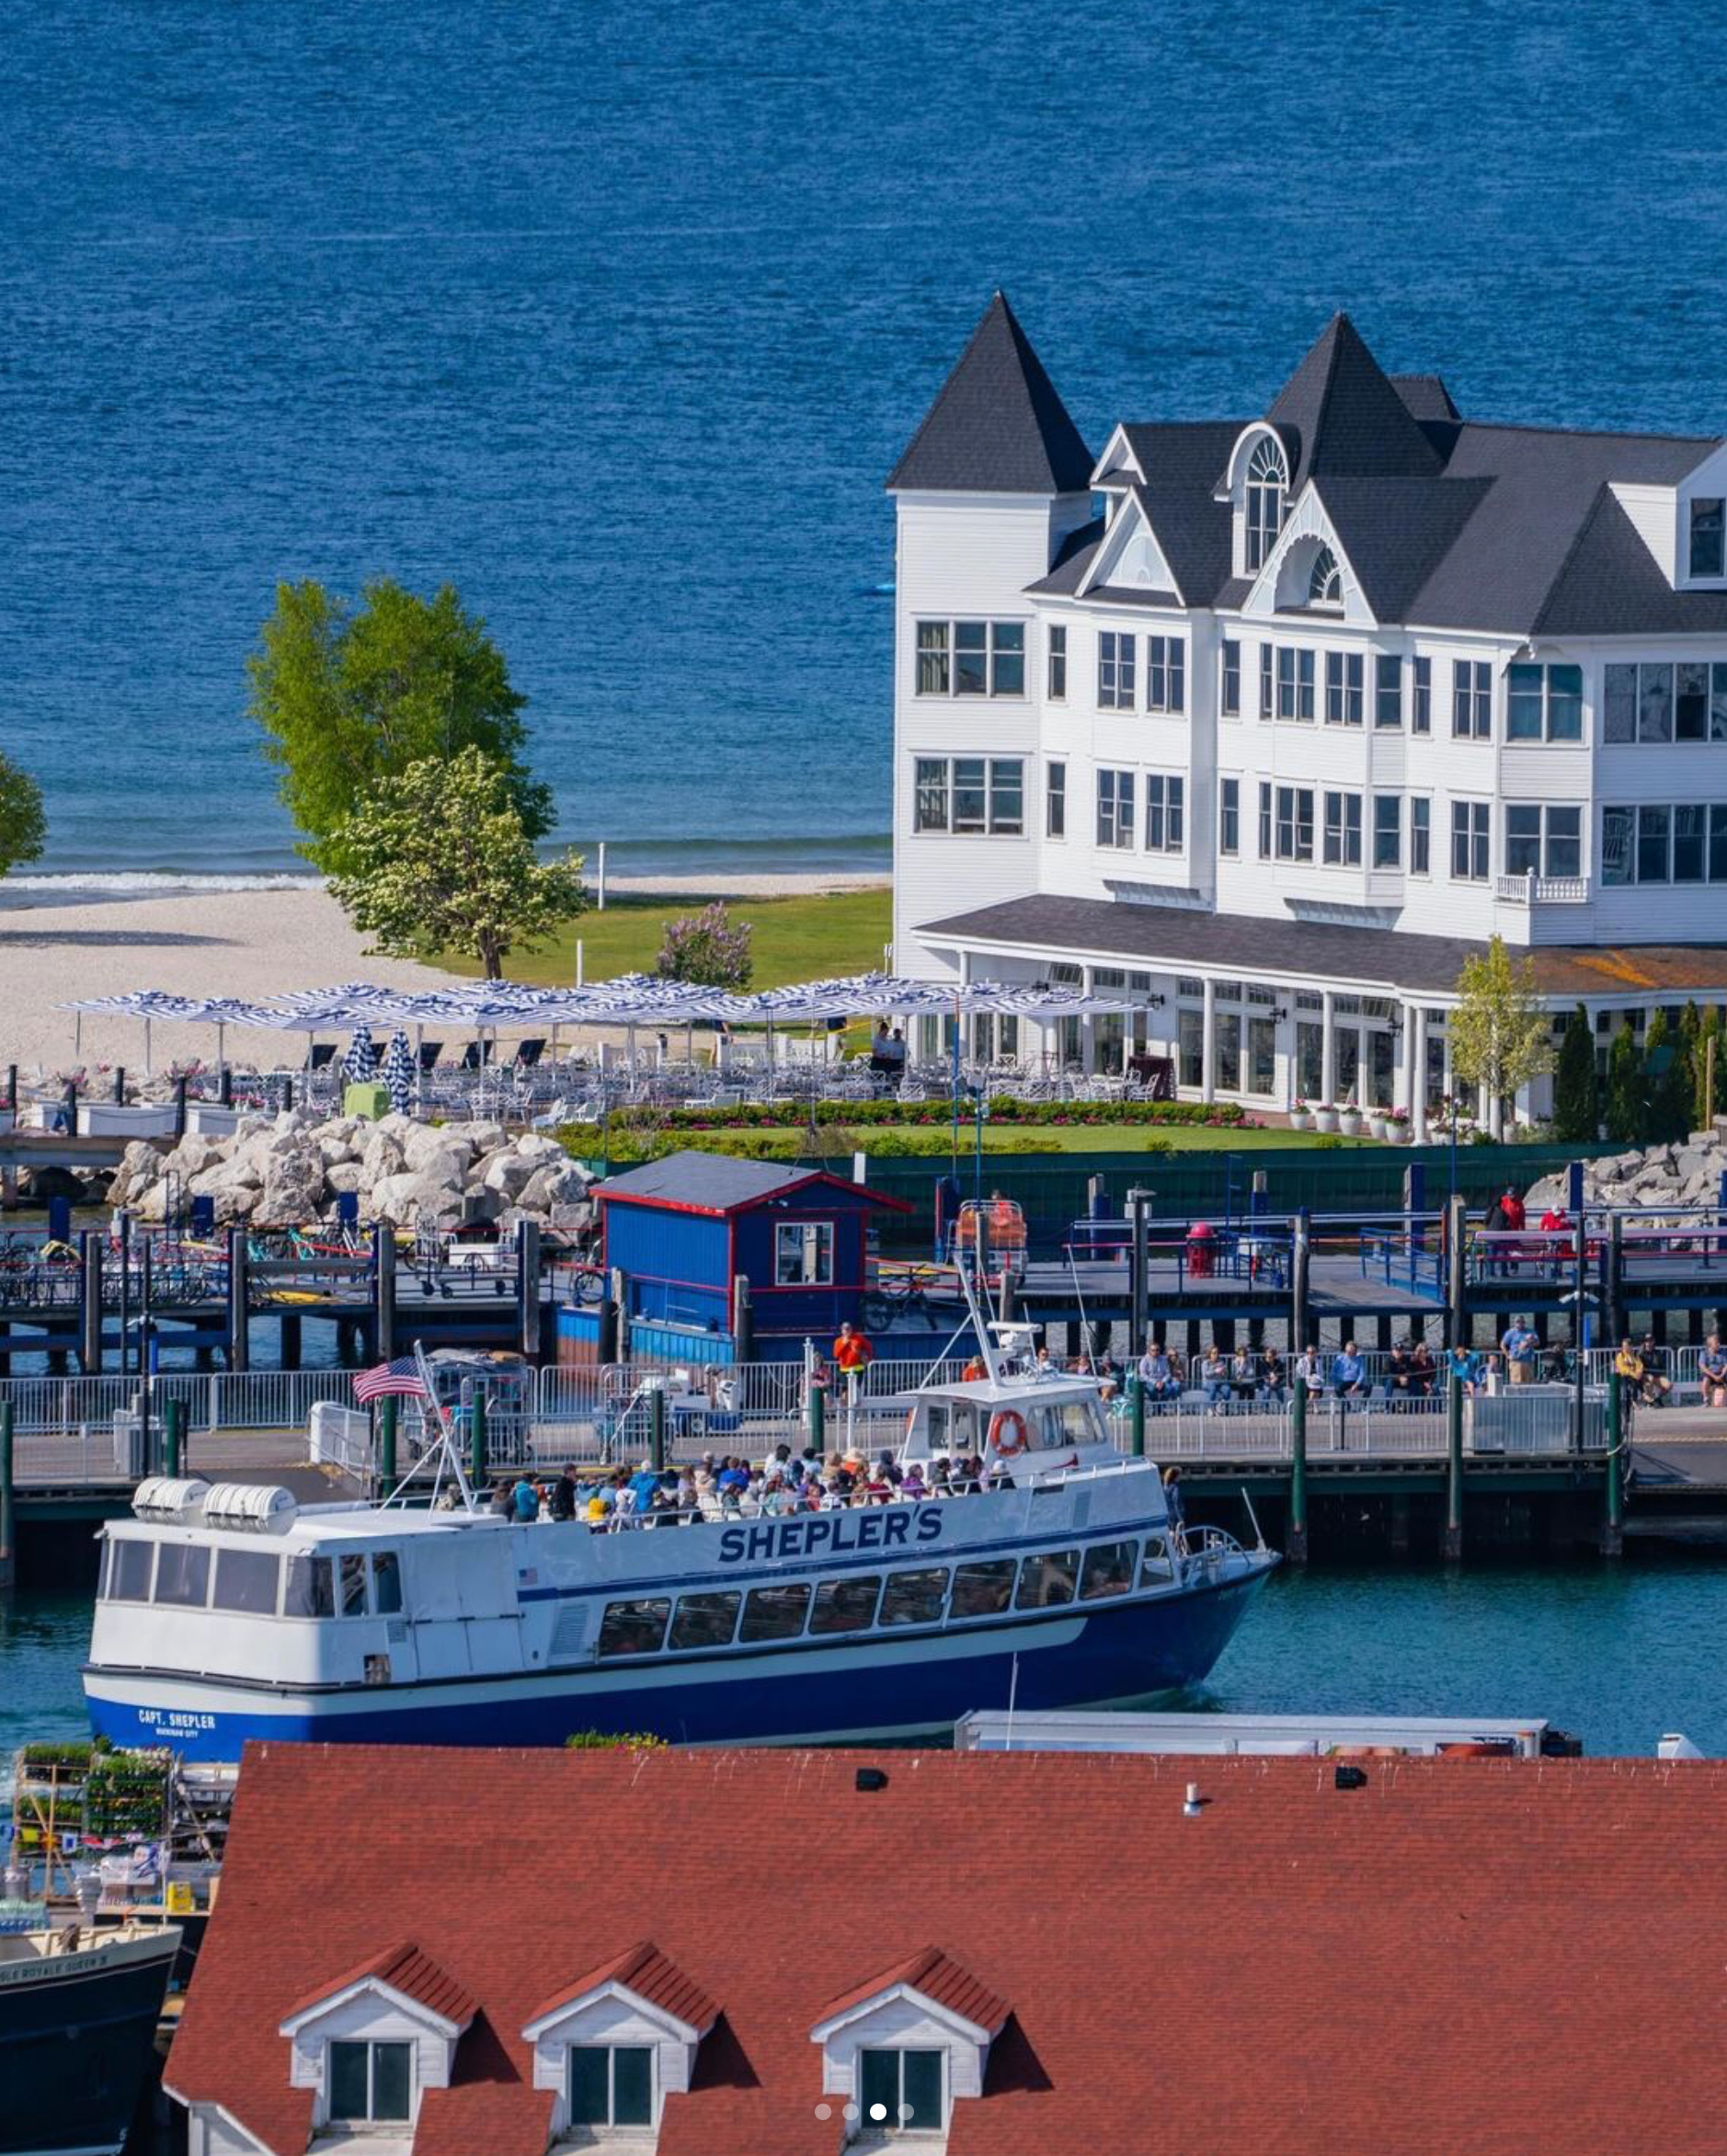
<point>784,1115</point>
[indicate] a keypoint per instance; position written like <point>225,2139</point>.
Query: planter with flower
<point>1301,1117</point>
<point>1324,1116</point>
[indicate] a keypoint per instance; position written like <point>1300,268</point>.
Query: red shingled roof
<point>939,1978</point>
<point>645,1970</point>
<point>405,1969</point>
<point>1497,1956</point>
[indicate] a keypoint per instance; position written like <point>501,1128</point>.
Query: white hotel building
<point>1318,703</point>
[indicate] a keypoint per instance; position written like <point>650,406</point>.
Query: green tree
<point>1500,1033</point>
<point>1627,1120</point>
<point>351,696</point>
<point>23,826</point>
<point>1706,1066</point>
<point>1576,1093</point>
<point>708,947</point>
<point>439,860</point>
<point>1667,1080</point>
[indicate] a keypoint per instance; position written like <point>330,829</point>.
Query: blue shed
<point>682,1229</point>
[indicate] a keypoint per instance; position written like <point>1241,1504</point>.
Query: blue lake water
<point>618,316</point>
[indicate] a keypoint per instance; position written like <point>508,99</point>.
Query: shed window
<point>803,1254</point>
<point>246,1580</point>
<point>635,1628</point>
<point>183,1575</point>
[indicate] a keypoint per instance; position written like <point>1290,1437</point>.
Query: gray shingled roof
<point>997,425</point>
<point>711,1180</point>
<point>1397,532</point>
<point>1346,417</point>
<point>1611,584</point>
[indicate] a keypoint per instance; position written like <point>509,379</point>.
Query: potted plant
<point>1299,1118</point>
<point>1397,1127</point>
<point>1349,1119</point>
<point>1373,1122</point>
<point>1324,1116</point>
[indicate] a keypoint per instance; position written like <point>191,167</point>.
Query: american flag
<point>400,1378</point>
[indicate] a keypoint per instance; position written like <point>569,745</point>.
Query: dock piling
<point>1298,1550</point>
<point>90,1309</point>
<point>1300,1250</point>
<point>1613,1526</point>
<point>1451,1539</point>
<point>386,1444</point>
<point>476,1427</point>
<point>816,1416</point>
<point>1140,1200</point>
<point>1457,1272</point>
<point>528,1286</point>
<point>743,1320</point>
<point>8,1514</point>
<point>656,1428</point>
<point>383,1290</point>
<point>174,1437</point>
<point>239,1302</point>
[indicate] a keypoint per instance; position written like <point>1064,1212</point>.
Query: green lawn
<point>796,939</point>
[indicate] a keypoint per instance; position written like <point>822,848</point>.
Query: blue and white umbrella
<point>399,1072</point>
<point>360,1061</point>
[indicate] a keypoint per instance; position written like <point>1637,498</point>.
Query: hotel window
<point>1055,802</point>
<point>1230,816</point>
<point>1190,1047</point>
<point>1470,840</point>
<point>1420,834</point>
<point>1543,841</point>
<point>1662,842</point>
<point>1388,831</point>
<point>1295,684</point>
<point>971,659</point>
<point>1268,686</point>
<point>369,2083</point>
<point>1421,718</point>
<point>1165,674</point>
<point>900,2091</point>
<point>1344,675</point>
<point>1114,671</point>
<point>1164,813</point>
<point>1295,823</point>
<point>1472,699</point>
<point>1661,702</point>
<point>1115,808</point>
<point>1266,478</point>
<point>611,2085</point>
<point>1229,690</point>
<point>1343,831</point>
<point>1387,690</point>
<point>1706,533</point>
<point>1545,702</point>
<point>1325,580</point>
<point>1057,665</point>
<point>969,796</point>
<point>1265,822</point>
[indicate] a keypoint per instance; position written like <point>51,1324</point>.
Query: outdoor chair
<point>477,1055</point>
<point>322,1055</point>
<point>528,1054</point>
<point>429,1051</point>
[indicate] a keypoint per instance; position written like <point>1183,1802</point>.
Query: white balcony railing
<point>1544,890</point>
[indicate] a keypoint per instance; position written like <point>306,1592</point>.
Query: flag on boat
<point>399,1380</point>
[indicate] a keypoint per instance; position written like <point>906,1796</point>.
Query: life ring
<point>998,1423</point>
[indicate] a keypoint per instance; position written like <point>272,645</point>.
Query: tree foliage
<point>349,696</point>
<point>1627,1119</point>
<point>1499,1032</point>
<point>1705,1068</point>
<point>708,947</point>
<point>438,859</point>
<point>1667,1088</point>
<point>1576,1090</point>
<point>23,825</point>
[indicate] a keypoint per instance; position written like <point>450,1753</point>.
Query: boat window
<point>775,1613</point>
<point>845,1605</point>
<point>1157,1566</point>
<point>183,1575</point>
<point>635,1628</point>
<point>706,1621</point>
<point>965,1426</point>
<point>936,1419</point>
<point>354,1584</point>
<point>1047,1580</point>
<point>915,1598</point>
<point>1069,1423</point>
<point>387,1582</point>
<point>245,1580</point>
<point>1108,1571</point>
<point>983,1590</point>
<point>310,1591</point>
<point>130,1577</point>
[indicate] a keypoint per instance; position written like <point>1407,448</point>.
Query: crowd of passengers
<point>1247,1376</point>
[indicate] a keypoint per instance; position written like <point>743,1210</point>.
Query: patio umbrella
<point>358,1064</point>
<point>400,1067</point>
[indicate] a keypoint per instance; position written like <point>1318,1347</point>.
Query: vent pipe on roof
<point>1677,1746</point>
<point>1350,1778</point>
<point>870,1778</point>
<point>1195,1804</point>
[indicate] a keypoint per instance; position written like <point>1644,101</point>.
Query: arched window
<point>1267,476</point>
<point>1326,583</point>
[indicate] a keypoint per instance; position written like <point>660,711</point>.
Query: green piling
<point>8,1514</point>
<point>174,1437</point>
<point>386,1444</point>
<point>476,1430</point>
<point>1136,1397</point>
<point>1613,1529</point>
<point>816,1416</point>
<point>1451,1542</point>
<point>1299,1472</point>
<point>657,1427</point>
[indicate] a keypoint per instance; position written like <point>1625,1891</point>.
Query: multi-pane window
<point>1296,672</point>
<point>1165,674</point>
<point>1420,834</point>
<point>1057,664</point>
<point>611,2085</point>
<point>1664,842</point>
<point>1267,681</point>
<point>1472,699</point>
<point>1229,680</point>
<point>1388,831</point>
<point>1265,854</point>
<point>1708,529</point>
<point>1663,701</point>
<point>1295,823</point>
<point>970,795</point>
<point>1116,663</point>
<point>1114,807</point>
<point>369,2083</point>
<point>971,659</point>
<point>1387,690</point>
<point>900,2091</point>
<point>1230,816</point>
<point>1343,831</point>
<point>1165,808</point>
<point>1471,841</point>
<point>1543,841</point>
<point>1420,717</point>
<point>1325,580</point>
<point>1056,801</point>
<point>1266,478</point>
<point>1343,676</point>
<point>1545,704</point>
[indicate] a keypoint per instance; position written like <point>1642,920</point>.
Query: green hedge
<point>789,1115</point>
<point>624,1147</point>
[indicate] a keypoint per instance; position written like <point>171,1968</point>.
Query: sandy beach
<point>243,944</point>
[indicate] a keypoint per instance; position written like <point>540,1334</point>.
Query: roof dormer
<point>902,2048</point>
<point>1684,526</point>
<point>1257,487</point>
<point>613,2046</point>
<point>371,2042</point>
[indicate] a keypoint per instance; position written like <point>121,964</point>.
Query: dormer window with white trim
<point>370,2044</point>
<point>369,2083</point>
<point>1267,482</point>
<point>901,2093</point>
<point>610,2085</point>
<point>1325,581</point>
<point>902,2049</point>
<point>616,2045</point>
<point>1709,535</point>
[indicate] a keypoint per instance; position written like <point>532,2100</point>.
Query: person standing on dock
<point>1519,1345</point>
<point>853,1355</point>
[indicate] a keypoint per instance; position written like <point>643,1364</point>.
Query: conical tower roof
<point>997,426</point>
<point>1339,413</point>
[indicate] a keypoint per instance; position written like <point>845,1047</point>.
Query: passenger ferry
<point>228,1613</point>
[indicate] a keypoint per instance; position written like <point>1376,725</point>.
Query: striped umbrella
<point>360,1061</point>
<point>398,1072</point>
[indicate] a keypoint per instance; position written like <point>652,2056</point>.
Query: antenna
<point>1259,1537</point>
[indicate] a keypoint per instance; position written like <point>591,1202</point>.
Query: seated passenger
<point>1213,1375</point>
<point>1272,1377</point>
<point>1157,1375</point>
<point>912,1482</point>
<point>525,1502</point>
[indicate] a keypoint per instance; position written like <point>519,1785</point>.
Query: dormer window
<point>616,2044</point>
<point>1325,580</point>
<point>900,2093</point>
<point>1709,535</point>
<point>370,2084</point>
<point>371,2043</point>
<point>900,2049</point>
<point>611,2085</point>
<point>1267,481</point>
